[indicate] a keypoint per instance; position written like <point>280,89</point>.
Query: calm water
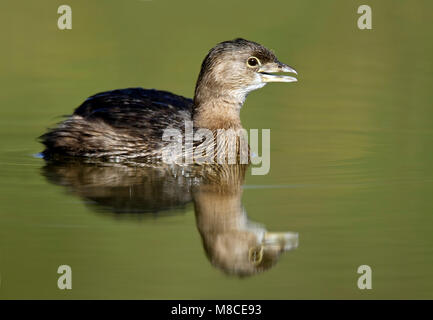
<point>351,153</point>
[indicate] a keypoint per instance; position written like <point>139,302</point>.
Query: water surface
<point>351,150</point>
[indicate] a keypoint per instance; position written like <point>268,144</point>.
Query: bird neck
<point>216,110</point>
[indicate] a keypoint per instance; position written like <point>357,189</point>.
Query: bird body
<point>120,123</point>
<point>130,123</point>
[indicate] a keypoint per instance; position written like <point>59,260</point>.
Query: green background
<point>351,147</point>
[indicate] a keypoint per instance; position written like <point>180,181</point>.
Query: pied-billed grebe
<point>129,123</point>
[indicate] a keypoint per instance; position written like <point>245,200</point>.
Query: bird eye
<point>253,62</point>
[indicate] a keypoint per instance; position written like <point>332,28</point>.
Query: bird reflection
<point>232,242</point>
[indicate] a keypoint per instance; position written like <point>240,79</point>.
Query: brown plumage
<point>129,123</point>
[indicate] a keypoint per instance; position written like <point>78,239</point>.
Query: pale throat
<point>220,110</point>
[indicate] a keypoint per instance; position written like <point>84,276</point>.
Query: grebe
<point>129,123</point>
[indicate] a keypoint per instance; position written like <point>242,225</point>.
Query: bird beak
<point>282,241</point>
<point>266,72</point>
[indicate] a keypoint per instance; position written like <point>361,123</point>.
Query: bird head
<point>238,67</point>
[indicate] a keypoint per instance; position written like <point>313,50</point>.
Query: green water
<point>351,148</point>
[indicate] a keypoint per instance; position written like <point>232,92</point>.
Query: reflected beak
<point>266,72</point>
<point>283,241</point>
